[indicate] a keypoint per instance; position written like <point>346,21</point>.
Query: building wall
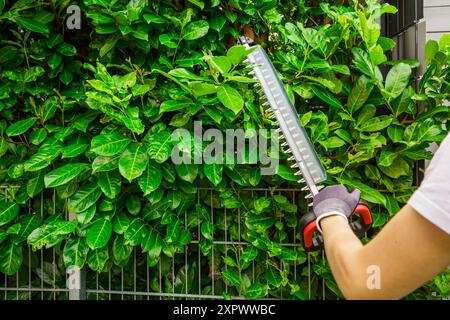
<point>437,15</point>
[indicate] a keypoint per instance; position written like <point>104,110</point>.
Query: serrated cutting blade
<point>300,147</point>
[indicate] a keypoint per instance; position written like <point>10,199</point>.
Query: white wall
<point>437,15</point>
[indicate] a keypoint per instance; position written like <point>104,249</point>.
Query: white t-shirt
<point>432,198</point>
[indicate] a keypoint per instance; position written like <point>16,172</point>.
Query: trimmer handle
<point>308,227</point>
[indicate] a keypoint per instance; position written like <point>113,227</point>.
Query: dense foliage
<point>86,117</point>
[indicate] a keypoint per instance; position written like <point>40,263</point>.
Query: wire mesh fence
<point>194,273</point>
<point>189,274</point>
<point>42,275</point>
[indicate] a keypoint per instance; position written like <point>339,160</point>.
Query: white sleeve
<point>432,199</point>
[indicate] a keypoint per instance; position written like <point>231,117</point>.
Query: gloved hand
<point>335,200</point>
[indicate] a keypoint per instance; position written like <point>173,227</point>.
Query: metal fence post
<point>76,280</point>
<point>76,283</point>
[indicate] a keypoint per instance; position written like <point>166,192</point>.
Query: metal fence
<point>103,286</point>
<point>44,277</point>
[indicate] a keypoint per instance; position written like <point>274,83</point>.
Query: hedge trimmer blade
<point>277,100</point>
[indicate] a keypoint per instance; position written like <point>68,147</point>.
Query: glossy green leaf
<point>120,223</point>
<point>135,232</point>
<point>133,204</point>
<point>386,158</point>
<point>397,80</point>
<point>273,277</point>
<point>66,49</point>
<point>64,174</point>
<point>332,84</point>
<point>403,103</point>
<point>8,211</point>
<point>97,259</point>
<point>151,178</point>
<point>424,82</point>
<point>169,40</point>
<point>3,146</point>
<point>110,183</point>
<point>256,290</point>
<point>54,61</point>
<point>236,54</point>
<point>51,234</point>
<point>327,97</point>
<point>20,127</point>
<point>202,89</point>
<point>84,198</point>
<point>75,147</point>
<point>372,172</point>
<point>188,172</point>
<point>11,258</point>
<point>286,173</point>
<point>37,136</point>
<point>121,251</point>
<point>160,146</point>
<point>377,55</point>
<point>86,216</point>
<point>376,124</point>
<point>359,94</point>
<point>444,42</point>
<point>398,167</point>
<point>98,234</point>
<point>222,64</point>
<point>109,144</point>
<point>213,172</point>
<point>42,158</point>
<point>152,244</point>
<point>75,253</point>
<point>431,48</point>
<point>174,105</point>
<point>195,30</point>
<point>232,277</point>
<point>133,162</point>
<point>367,193</point>
<point>333,143</point>
<point>33,25</point>
<point>7,53</point>
<point>173,231</point>
<point>27,223</point>
<point>105,164</point>
<point>153,18</point>
<point>249,254</point>
<point>362,61</point>
<point>230,98</point>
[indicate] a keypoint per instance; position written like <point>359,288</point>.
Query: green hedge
<point>88,112</point>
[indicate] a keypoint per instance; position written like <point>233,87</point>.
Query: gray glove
<point>335,200</point>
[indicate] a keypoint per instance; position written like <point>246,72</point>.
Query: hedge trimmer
<point>310,171</point>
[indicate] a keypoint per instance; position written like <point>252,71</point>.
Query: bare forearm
<point>343,249</point>
<point>408,251</point>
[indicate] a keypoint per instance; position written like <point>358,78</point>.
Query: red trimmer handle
<point>313,241</point>
<point>364,222</point>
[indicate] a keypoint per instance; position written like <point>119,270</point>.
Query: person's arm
<point>408,251</point>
